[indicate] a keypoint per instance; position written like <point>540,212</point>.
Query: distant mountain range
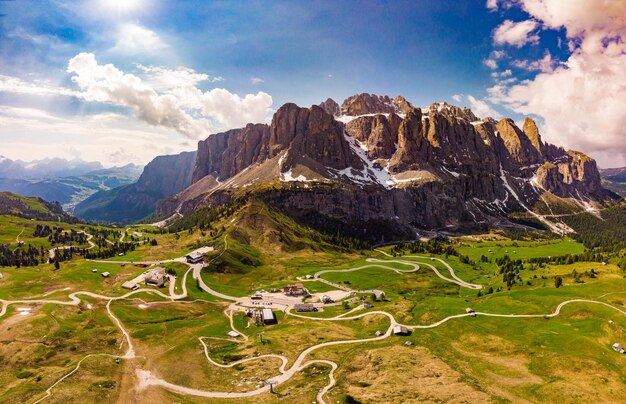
<point>46,168</point>
<point>374,167</point>
<point>162,177</point>
<point>614,179</point>
<point>68,183</point>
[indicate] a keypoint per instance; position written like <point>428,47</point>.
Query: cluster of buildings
<point>262,316</point>
<point>155,277</point>
<point>295,290</point>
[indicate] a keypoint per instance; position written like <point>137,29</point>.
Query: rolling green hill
<point>32,208</point>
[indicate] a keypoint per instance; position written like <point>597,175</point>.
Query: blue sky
<point>169,58</point>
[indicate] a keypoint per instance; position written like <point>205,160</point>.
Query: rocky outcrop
<point>363,104</point>
<point>517,143</point>
<point>438,168</point>
<point>330,107</point>
<point>226,154</point>
<point>378,132</point>
<point>532,132</point>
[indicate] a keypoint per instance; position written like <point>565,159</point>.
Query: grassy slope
<point>563,359</point>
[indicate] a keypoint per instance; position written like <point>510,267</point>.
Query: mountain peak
<point>331,107</point>
<point>364,104</point>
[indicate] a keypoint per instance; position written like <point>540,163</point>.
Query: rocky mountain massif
<point>384,169</point>
<point>162,177</point>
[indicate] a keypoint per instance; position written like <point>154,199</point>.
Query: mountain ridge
<point>437,167</point>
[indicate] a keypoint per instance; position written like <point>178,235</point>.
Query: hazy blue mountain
<point>162,177</point>
<point>70,190</point>
<point>46,168</point>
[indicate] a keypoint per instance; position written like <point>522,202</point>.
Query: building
<point>326,299</point>
<point>105,274</point>
<point>470,311</point>
<point>130,285</point>
<point>304,307</point>
<point>256,296</point>
<point>367,305</point>
<point>94,270</point>
<point>379,333</point>
<point>400,330</point>
<point>295,290</point>
<point>194,258</point>
<point>268,316</point>
<point>156,277</point>
<point>233,334</point>
<point>617,347</point>
<point>379,294</point>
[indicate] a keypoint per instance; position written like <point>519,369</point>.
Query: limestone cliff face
<point>362,104</point>
<point>518,144</point>
<point>331,107</point>
<point>226,154</point>
<point>382,160</point>
<point>378,132</point>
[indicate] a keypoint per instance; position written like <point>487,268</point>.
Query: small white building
<point>470,311</point>
<point>233,334</point>
<point>156,277</point>
<point>130,285</point>
<point>400,330</point>
<point>194,258</point>
<point>105,274</point>
<point>268,316</point>
<point>379,294</point>
<point>379,333</point>
<point>617,347</point>
<point>94,270</point>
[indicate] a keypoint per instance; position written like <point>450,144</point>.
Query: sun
<point>122,6</point>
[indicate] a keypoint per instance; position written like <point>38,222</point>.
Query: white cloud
<point>482,109</point>
<point>457,97</point>
<point>161,78</point>
<point>516,34</point>
<point>256,80</point>
<point>581,101</point>
<point>175,105</point>
<point>16,85</point>
<point>491,63</point>
<point>502,74</point>
<point>30,133</point>
<point>497,54</point>
<point>545,64</point>
<point>133,38</point>
<point>492,5</point>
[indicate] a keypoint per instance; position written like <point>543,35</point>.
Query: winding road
<point>285,372</point>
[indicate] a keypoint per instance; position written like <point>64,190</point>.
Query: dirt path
<point>146,378</point>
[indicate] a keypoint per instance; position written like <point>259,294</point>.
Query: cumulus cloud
<point>482,109</point>
<point>134,38</point>
<point>162,78</point>
<point>516,34</point>
<point>177,104</point>
<point>256,80</point>
<point>491,63</point>
<point>492,5</point>
<point>581,100</point>
<point>545,64</point>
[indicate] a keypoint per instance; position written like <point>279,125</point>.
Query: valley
<point>465,327</point>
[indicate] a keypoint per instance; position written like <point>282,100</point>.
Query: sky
<point>120,81</point>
